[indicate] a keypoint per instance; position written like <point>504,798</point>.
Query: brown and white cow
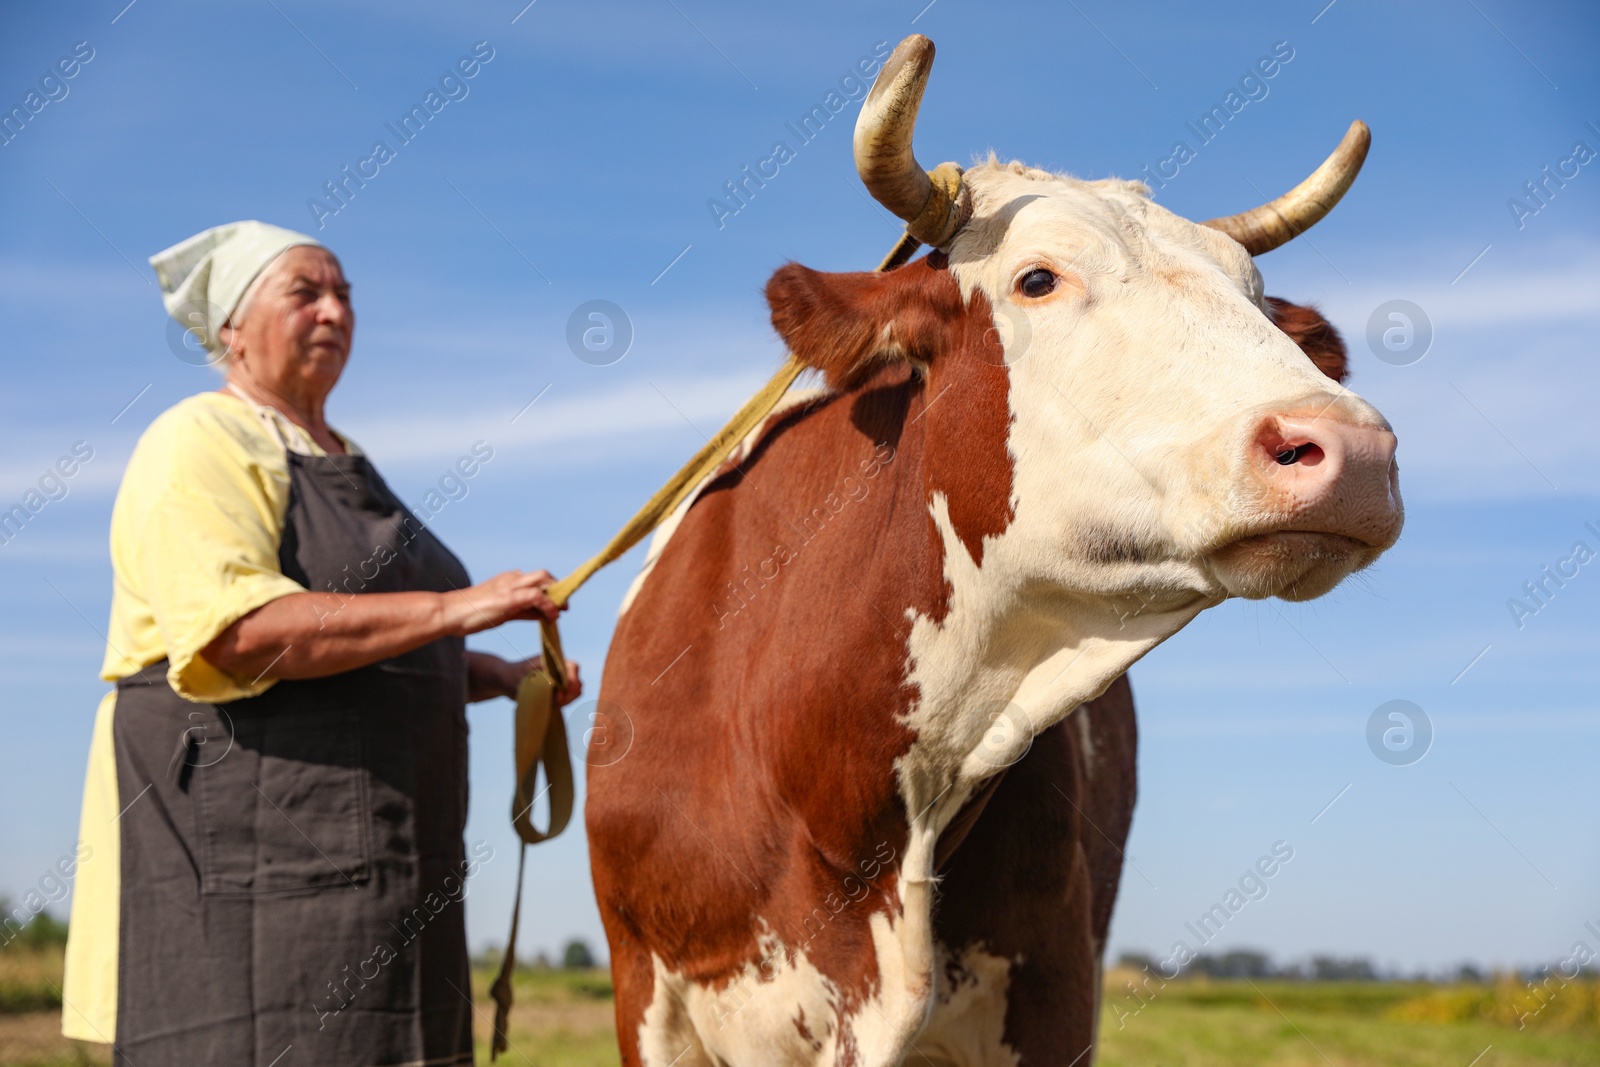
<point>857,824</point>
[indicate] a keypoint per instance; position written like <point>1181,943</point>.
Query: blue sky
<point>578,165</point>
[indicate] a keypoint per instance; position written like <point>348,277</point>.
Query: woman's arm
<point>313,635</point>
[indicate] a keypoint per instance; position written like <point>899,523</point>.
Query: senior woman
<point>277,788</point>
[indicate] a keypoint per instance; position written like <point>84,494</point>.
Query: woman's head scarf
<point>204,277</point>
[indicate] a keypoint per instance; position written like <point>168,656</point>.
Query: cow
<point>882,762</point>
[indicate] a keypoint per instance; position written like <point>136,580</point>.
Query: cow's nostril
<point>1308,454</point>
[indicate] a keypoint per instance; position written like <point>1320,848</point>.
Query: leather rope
<point>541,735</point>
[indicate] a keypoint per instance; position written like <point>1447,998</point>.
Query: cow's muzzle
<point>1321,500</point>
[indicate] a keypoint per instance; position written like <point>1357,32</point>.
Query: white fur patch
<point>1085,741</point>
<point>756,1017</point>
<point>968,1026</point>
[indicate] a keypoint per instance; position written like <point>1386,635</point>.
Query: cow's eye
<point>1037,282</point>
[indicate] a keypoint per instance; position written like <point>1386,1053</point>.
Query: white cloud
<point>578,428</point>
<point>1561,283</point>
<point>555,421</point>
<point>100,475</point>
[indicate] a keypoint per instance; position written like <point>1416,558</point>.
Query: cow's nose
<point>1324,473</point>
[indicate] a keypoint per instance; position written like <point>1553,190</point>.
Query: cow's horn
<point>1261,229</point>
<point>934,204</point>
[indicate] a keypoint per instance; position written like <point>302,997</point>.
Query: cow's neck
<point>990,659</point>
<point>999,655</point>
<point>999,669</point>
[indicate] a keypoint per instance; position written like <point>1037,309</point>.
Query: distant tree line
<point>1249,963</point>
<point>575,955</point>
<point>39,932</point>
<point>45,931</point>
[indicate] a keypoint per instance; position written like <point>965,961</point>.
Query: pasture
<point>563,1019</point>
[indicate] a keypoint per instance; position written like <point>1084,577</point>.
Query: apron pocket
<point>288,808</point>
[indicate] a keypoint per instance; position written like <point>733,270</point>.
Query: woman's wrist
<point>452,614</point>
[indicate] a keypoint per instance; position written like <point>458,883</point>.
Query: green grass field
<point>563,1019</point>
<point>1200,1023</point>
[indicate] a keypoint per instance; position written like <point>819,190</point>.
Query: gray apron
<point>293,872</point>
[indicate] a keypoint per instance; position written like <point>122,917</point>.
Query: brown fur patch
<point>847,324</point>
<point>763,666</point>
<point>1314,334</point>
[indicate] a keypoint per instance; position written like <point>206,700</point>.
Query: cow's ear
<point>1314,334</point>
<point>845,325</point>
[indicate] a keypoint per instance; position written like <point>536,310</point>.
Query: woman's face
<point>296,330</point>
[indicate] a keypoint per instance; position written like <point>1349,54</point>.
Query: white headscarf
<point>204,277</point>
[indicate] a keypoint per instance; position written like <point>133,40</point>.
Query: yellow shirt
<point>195,533</point>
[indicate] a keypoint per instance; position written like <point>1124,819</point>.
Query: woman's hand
<point>489,676</point>
<point>507,596</point>
<point>574,687</point>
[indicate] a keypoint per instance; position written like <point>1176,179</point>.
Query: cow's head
<point>1169,431</point>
